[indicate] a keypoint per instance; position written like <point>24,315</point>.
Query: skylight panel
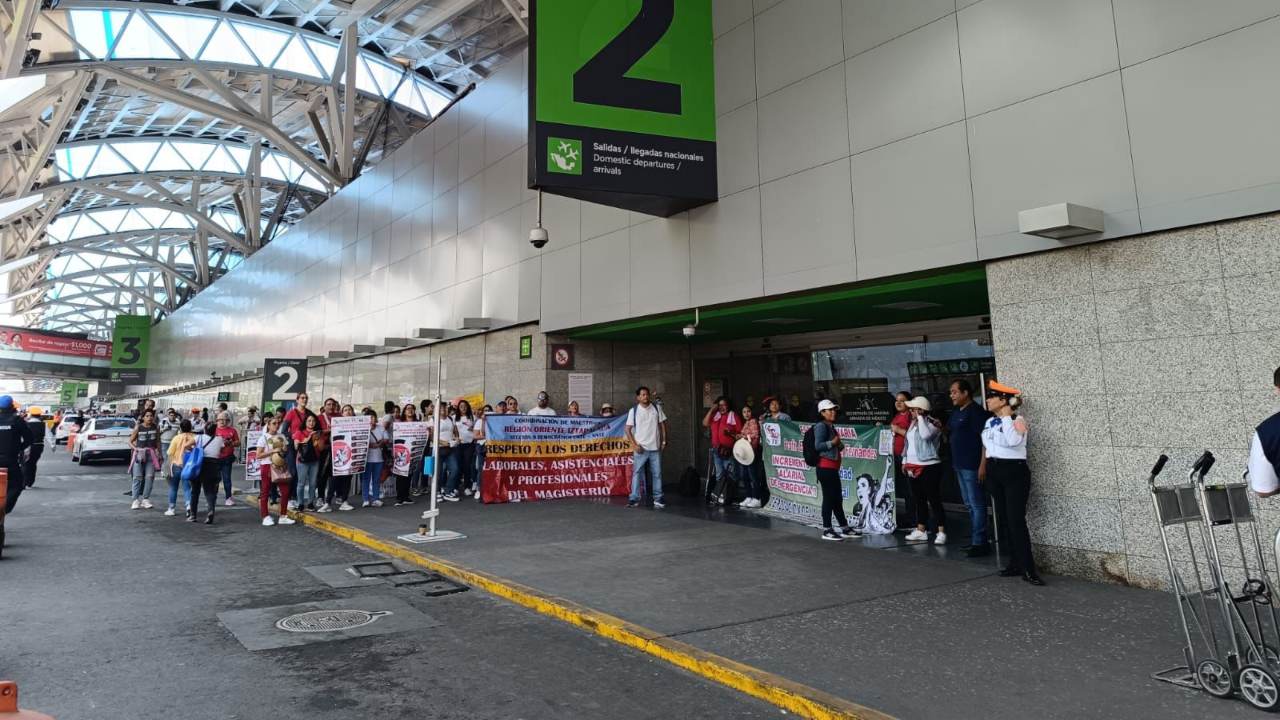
<point>225,46</point>
<point>264,42</point>
<point>188,32</point>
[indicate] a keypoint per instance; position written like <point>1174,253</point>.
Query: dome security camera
<point>538,237</point>
<point>689,330</point>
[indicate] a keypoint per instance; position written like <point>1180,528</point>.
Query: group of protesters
<point>292,459</point>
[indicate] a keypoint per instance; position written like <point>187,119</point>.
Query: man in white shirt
<point>647,433</point>
<point>544,405</point>
<point>1264,453</point>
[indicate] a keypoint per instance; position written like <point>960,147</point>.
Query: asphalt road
<point>112,613</point>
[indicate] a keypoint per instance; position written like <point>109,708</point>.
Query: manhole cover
<point>328,620</point>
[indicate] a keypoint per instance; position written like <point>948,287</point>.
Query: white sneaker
<point>917,534</point>
<point>137,505</point>
<point>293,504</point>
<point>376,503</point>
<point>286,520</point>
<point>146,504</point>
<point>325,508</point>
<point>940,539</point>
<point>345,507</point>
<point>229,502</point>
<point>170,512</point>
<point>364,504</point>
<point>467,492</point>
<point>267,521</point>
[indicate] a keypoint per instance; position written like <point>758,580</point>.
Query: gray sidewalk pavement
<point>911,630</point>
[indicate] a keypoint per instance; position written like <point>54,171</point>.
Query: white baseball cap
<point>919,402</point>
<point>826,405</point>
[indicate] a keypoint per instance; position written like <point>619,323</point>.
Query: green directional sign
<point>130,343</point>
<point>622,102</point>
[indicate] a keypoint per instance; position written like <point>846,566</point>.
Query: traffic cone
<point>9,704</point>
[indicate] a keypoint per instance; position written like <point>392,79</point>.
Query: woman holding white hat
<point>1007,477</point>
<point>922,465</point>
<point>753,469</point>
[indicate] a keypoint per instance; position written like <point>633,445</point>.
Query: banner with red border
<point>536,457</point>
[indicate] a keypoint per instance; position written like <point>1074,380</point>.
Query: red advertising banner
<point>536,457</point>
<point>32,341</point>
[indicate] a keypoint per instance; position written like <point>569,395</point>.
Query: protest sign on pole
<point>406,449</point>
<point>866,476</point>
<point>349,444</point>
<point>252,473</point>
<point>534,457</point>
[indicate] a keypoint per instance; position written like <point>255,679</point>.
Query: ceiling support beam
<point>208,107</point>
<point>21,18</point>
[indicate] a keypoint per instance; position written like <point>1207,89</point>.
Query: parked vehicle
<point>66,428</point>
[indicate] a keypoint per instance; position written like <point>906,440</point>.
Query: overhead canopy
<point>148,148</point>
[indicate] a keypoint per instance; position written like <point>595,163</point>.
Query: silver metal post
<point>435,450</point>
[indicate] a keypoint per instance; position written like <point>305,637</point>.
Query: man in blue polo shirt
<point>964,428</point>
<point>1264,453</point>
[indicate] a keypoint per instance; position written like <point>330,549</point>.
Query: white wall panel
<point>1146,28</point>
<point>1203,123</point>
<point>606,277</point>
<point>1067,146</point>
<point>912,204</point>
<point>725,253</point>
<point>735,68</point>
<point>1015,49</point>
<point>659,252</point>
<point>728,14</point>
<point>925,91</point>
<point>868,23</point>
<point>471,202</point>
<point>808,229</point>
<point>446,167</point>
<point>737,151</point>
<point>804,125</point>
<point>795,39</point>
<point>471,153</point>
<point>444,216</point>
<point>561,286</point>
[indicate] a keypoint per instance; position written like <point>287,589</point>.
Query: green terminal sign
<point>130,343</point>
<point>622,102</point>
<point>526,347</point>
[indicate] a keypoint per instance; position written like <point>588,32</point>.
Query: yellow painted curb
<point>789,695</point>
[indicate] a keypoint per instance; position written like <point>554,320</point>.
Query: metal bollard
<point>9,704</point>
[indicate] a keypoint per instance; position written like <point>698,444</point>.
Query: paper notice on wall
<point>581,386</point>
<point>253,438</point>
<point>350,444</point>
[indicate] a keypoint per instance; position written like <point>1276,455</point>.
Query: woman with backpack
<point>209,474</point>
<point>274,470</point>
<point>922,465</point>
<point>307,459</point>
<point>178,447</point>
<point>828,446</point>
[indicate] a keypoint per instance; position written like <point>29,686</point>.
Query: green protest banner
<point>866,475</point>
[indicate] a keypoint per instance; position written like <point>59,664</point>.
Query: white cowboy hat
<point>743,453</point>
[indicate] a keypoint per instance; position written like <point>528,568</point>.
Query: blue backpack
<point>191,462</point>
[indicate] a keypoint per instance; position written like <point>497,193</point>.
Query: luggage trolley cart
<point>1228,649</point>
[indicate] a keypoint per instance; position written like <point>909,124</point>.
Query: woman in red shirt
<point>900,423</point>
<point>724,425</point>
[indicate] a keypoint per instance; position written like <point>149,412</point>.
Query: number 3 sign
<point>622,105</point>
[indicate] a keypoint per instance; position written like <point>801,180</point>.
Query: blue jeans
<point>451,470</point>
<point>371,482</point>
<point>727,468</point>
<point>307,472</point>
<point>975,498</point>
<point>176,481</point>
<point>225,470</point>
<point>144,473</point>
<point>652,459</point>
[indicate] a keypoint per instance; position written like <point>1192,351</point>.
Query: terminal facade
<point>873,160</point>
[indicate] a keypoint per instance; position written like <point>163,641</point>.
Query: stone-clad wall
<point>1127,349</point>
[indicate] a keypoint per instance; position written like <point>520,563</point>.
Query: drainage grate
<point>328,620</point>
<point>376,569</point>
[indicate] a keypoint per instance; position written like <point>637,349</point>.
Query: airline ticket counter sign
<point>622,102</point>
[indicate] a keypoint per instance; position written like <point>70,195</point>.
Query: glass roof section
<point>118,157</point>
<point>149,34</point>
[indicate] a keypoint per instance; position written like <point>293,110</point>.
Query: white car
<point>103,437</point>
<point>66,427</point>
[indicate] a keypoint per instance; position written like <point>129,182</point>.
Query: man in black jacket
<point>15,437</point>
<point>35,423</point>
<point>1264,453</point>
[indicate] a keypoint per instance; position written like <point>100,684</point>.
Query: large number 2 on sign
<point>130,354</point>
<point>290,377</point>
<point>603,81</point>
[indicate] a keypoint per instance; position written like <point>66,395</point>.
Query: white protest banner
<point>252,473</point>
<point>408,445</point>
<point>349,444</point>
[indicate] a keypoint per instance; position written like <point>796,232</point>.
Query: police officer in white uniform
<point>1007,477</point>
<point>1264,453</point>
